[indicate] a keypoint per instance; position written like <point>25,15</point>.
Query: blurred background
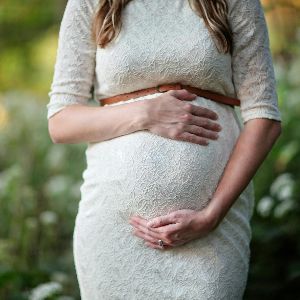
<point>39,180</point>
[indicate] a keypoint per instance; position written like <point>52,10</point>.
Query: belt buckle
<point>177,86</point>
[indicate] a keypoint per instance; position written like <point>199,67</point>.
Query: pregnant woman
<point>167,194</point>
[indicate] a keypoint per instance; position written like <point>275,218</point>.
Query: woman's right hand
<point>170,117</point>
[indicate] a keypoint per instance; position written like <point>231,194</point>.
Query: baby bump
<point>146,174</point>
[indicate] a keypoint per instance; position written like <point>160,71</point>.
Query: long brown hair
<point>107,22</point>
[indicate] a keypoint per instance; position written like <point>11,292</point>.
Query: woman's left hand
<point>175,228</point>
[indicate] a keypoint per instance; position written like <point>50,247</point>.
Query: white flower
<point>45,290</point>
<point>282,187</point>
<point>48,217</point>
<point>75,189</point>
<point>285,192</point>
<point>56,156</point>
<point>59,277</point>
<point>265,205</point>
<point>283,208</point>
<point>58,185</point>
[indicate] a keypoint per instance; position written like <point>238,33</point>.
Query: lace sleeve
<point>75,58</point>
<point>252,66</point>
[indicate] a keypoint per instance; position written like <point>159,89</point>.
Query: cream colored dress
<point>162,41</point>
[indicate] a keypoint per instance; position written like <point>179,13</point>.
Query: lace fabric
<point>141,173</point>
<point>162,42</point>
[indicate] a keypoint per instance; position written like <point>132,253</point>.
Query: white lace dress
<point>162,41</point>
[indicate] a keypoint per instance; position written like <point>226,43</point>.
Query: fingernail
<point>194,95</point>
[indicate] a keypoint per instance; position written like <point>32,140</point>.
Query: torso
<point>169,43</point>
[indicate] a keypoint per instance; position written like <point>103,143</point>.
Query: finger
<point>202,132</point>
<point>160,221</point>
<point>165,247</point>
<point>192,138</point>
<point>139,220</point>
<point>182,94</point>
<point>145,236</point>
<point>203,112</point>
<point>155,236</point>
<point>205,123</point>
<point>176,237</point>
<point>170,235</point>
<point>150,240</point>
<point>156,246</point>
<point>147,232</point>
<point>141,224</point>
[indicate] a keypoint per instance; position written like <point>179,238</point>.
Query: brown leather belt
<point>172,86</point>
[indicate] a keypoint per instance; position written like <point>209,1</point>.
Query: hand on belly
<point>174,229</point>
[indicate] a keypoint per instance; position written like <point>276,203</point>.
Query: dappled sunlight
<point>3,116</point>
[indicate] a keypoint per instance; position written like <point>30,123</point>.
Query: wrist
<point>213,215</point>
<point>142,119</point>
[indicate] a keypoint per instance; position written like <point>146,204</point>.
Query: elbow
<point>277,129</point>
<point>55,132</point>
<point>55,138</point>
<point>57,128</point>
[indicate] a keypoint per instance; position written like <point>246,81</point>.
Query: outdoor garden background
<point>39,180</point>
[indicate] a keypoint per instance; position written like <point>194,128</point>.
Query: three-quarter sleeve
<point>252,65</point>
<point>75,57</point>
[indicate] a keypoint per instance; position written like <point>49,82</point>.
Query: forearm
<point>81,123</point>
<point>252,146</point>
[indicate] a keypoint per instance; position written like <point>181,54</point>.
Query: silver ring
<point>161,243</point>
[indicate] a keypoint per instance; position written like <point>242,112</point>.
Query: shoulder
<point>236,7</point>
<point>85,6</point>
<point>246,16</point>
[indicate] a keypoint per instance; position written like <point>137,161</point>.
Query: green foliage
<point>39,190</point>
<point>275,259</point>
<point>28,28</point>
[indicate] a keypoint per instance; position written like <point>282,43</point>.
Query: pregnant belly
<point>146,174</point>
